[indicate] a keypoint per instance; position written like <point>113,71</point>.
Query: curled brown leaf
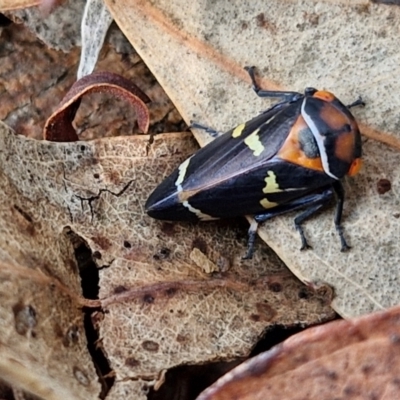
<point>59,128</point>
<point>354,359</point>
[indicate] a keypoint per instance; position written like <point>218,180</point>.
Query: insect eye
<point>308,143</point>
<point>309,91</point>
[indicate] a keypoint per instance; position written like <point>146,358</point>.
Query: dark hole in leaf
<point>4,21</point>
<point>187,382</point>
<point>89,274</point>
<point>383,186</point>
<point>148,298</point>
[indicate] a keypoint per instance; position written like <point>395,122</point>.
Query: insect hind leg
<point>339,190</point>
<point>251,240</point>
<point>300,219</point>
<point>313,202</point>
<point>211,131</point>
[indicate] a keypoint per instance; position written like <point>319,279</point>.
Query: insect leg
<point>286,96</point>
<point>300,219</point>
<point>358,102</point>
<point>314,201</point>
<point>251,240</point>
<point>212,132</point>
<point>338,188</point>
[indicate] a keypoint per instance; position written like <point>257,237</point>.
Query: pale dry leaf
<point>6,5</point>
<point>162,310</point>
<point>58,24</point>
<point>191,318</point>
<point>59,29</point>
<point>202,261</point>
<point>355,359</point>
<point>130,389</point>
<point>198,50</point>
<point>43,346</point>
<point>94,26</point>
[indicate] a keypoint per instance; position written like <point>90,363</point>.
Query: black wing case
<point>237,174</point>
<point>233,153</point>
<point>272,184</point>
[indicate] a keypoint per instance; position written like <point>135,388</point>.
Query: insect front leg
<point>358,102</point>
<point>313,202</point>
<point>286,96</point>
<point>339,190</point>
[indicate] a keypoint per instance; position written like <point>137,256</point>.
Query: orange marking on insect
<point>324,95</point>
<point>355,167</point>
<point>344,146</point>
<point>291,150</point>
<point>334,118</point>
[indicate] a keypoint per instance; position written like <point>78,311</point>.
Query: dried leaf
<point>6,5</point>
<point>129,390</point>
<point>162,310</point>
<point>59,27</point>
<point>32,91</point>
<point>59,126</point>
<point>355,359</point>
<point>36,282</point>
<point>95,23</point>
<point>350,49</point>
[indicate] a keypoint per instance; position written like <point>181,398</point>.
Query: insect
<point>291,156</point>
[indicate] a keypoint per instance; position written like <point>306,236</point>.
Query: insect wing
<point>242,148</point>
<point>229,177</point>
<point>274,183</point>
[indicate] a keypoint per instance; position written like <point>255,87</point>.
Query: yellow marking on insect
<point>200,215</point>
<point>253,143</point>
<point>185,195</point>
<point>182,172</point>
<point>271,185</point>
<point>238,130</point>
<point>268,204</point>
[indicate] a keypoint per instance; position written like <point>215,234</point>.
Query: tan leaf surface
<point>129,390</point>
<point>161,308</point>
<point>42,349</point>
<point>96,21</point>
<point>198,49</point>
<point>6,5</point>
<point>355,359</point>
<point>56,23</point>
<point>42,338</point>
